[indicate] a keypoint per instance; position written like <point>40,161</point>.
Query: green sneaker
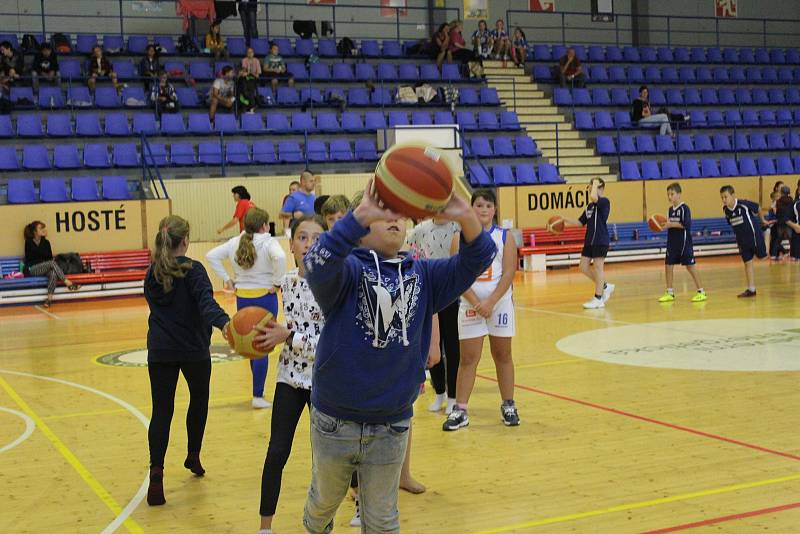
<point>666,297</point>
<point>699,297</point>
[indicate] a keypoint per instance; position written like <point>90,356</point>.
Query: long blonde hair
<point>254,220</point>
<point>172,230</point>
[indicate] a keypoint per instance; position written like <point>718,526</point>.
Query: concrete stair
<point>577,161</point>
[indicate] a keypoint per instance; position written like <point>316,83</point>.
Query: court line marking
<point>30,426</point>
<point>641,504</point>
<point>650,420</point>
<point>541,364</point>
<point>725,518</point>
<point>122,514</point>
<point>49,314</point>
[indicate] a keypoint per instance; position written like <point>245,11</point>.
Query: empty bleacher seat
<point>125,155</point>
<point>209,153</point>
<point>650,170</point>
<point>21,191</point>
<point>548,174</point>
<point>35,157</point>
<point>340,150</point>
<point>172,124</point>
<point>182,154</point>
<point>84,188</point>
<point>53,190</point>
<point>29,125</point>
<point>264,152</point>
<point>630,171</point>
<point>66,157</point>
<point>289,152</point>
<point>8,158</point>
<point>365,150</point>
<point>116,188</point>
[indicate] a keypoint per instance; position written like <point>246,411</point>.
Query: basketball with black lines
<point>414,180</point>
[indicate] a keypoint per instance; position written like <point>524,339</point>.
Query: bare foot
<point>412,486</point>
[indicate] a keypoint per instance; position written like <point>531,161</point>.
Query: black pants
<point>163,381</point>
<point>578,81</point>
<point>249,12</point>
<point>777,233</point>
<point>287,406</point>
<point>451,354</point>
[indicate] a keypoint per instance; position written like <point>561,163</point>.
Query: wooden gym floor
<point>642,417</point>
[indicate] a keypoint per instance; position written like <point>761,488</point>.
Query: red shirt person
<point>243,204</point>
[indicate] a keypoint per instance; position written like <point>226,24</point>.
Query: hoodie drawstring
<point>377,308</point>
<point>402,300</point>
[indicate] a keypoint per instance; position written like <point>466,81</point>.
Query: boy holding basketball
<point>679,244</point>
<point>371,357</point>
<point>749,237</point>
<point>596,242</point>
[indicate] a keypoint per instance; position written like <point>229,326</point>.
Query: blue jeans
<point>660,121</point>
<point>340,447</point>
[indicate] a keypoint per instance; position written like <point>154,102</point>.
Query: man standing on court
<point>300,202</point>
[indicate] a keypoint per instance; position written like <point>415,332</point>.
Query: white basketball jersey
<point>487,282</point>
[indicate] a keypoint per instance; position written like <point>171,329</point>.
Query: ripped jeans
<point>340,447</point>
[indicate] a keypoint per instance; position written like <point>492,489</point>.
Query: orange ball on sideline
<point>414,180</point>
<point>656,222</point>
<point>241,333</point>
<point>555,224</point>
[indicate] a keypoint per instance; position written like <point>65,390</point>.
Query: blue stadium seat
<point>670,169</point>
<point>597,54</point>
<point>95,156</point>
<point>264,152</point>
<point>548,174</point>
<point>84,189</point>
<point>652,74</point>
<point>685,143</point>
<point>53,190</point>
<point>709,97</point>
<point>775,141</point>
<point>365,72</point>
<point>116,188</point>
<point>622,119</point>
<point>603,121</point>
<point>287,96</point>
<point>542,73</point>
<point>665,144</point>
<point>487,120</point>
<point>156,154</point>
<point>421,118</point>
<point>616,74</point>
<point>327,48</point>
<point>277,122</point>
<point>600,96</point>
<point>542,52</point>
<point>597,73</point>
<point>697,54</point>
<point>125,155</point>
<point>648,54</point>
<point>605,145</point>
<point>84,43</point>
<point>733,118</point>
<point>613,54</point>
<point>166,43</point>
<point>253,123</point>
<point>468,97</point>
<point>793,96</point>
<point>398,118</point>
<point>21,191</point>
<point>50,97</point>
<point>783,165</point>
<point>479,146</point>
<point>8,158</point>
<point>365,150</point>
<point>502,175</point>
<point>18,93</point>
<point>525,174</point>
<point>443,117</point>
<point>708,168</point>
<point>171,123</point>
<point>626,144</point>
<point>188,97</point>
<point>762,56</point>
<point>66,157</point>
<point>503,147</point>
<point>650,170</point>
<point>478,176</point>
<point>687,74</point>
<point>392,49</point>
<point>720,74</point>
<point>199,124</point>
<point>714,55</point>
<point>766,117</point>
<point>747,166</point>
<point>35,157</point>
<point>340,150</point>
<point>728,167</point>
<point>387,72</point>
<point>236,46</point>
<point>795,140</point>
<point>657,97</point>
<point>237,153</point>
<point>289,152</point>
<point>430,72</point>
<point>730,55</point>
<point>509,121</point>
<point>374,120</point>
<point>702,143</point>
<point>209,153</point>
<point>689,169</point>
<point>675,97</point>
<point>358,96</point>
<point>182,154</point>
<point>489,96</point>
<point>342,72</point>
<point>777,96</point>
<point>766,166</point>
<point>681,55</point>
<point>737,75</point>
<point>70,69</point>
<point>408,72</point>
<point>635,74</point>
<point>327,122</point>
<point>581,97</point>
<point>691,96</point>
<point>351,121</point>
<point>698,118</point>
<point>370,48</point>
<point>620,97</point>
<point>466,119</point>
<point>792,56</point>
<point>704,74</point>
<point>631,54</point>
<point>750,118</point>
<point>665,55</point>
<point>29,125</point>
<point>630,171</point>
<point>304,47</point>
<point>450,72</point>
<point>645,144</point>
<point>758,141</point>
<point>726,96</point>
<point>381,96</point>
<point>319,71</point>
<point>722,143</point>
<point>316,151</point>
<point>302,122</point>
<point>741,142</point>
<point>261,46</point>
<point>583,120</point>
<point>116,124</point>
<point>299,72</point>
<point>106,97</point>
<point>311,95</point>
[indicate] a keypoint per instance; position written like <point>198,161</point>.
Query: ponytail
<point>172,231</point>
<point>254,220</point>
<point>30,229</point>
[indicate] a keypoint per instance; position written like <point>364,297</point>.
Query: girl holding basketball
<point>182,312</point>
<point>259,264</point>
<point>487,308</point>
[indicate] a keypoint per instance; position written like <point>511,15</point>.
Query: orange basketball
<point>414,180</point>
<point>656,222</point>
<point>555,224</point>
<point>241,333</point>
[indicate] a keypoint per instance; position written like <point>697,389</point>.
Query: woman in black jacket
<point>149,67</point>
<point>39,260</point>
<point>182,313</point>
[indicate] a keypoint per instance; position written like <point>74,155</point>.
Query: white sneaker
<point>356,521</point>
<point>259,402</point>
<point>607,292</point>
<point>594,304</point>
<point>265,531</point>
<point>437,403</point>
<point>451,403</point>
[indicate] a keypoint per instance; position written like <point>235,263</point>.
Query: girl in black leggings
<point>182,312</point>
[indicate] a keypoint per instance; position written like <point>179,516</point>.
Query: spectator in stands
<point>99,66</point>
<point>39,260</point>
<point>222,92</point>
<point>440,45</point>
<point>45,67</point>
<point>300,202</point>
<point>11,65</point>
<point>275,68</point>
<point>481,41</point>
<point>149,67</point>
<point>163,95</point>
<point>570,70</point>
<point>644,116</point>
<point>243,204</point>
<point>248,11</point>
<point>501,46</point>
<point>215,42</point>
<point>250,64</point>
<point>519,47</point>
<point>457,48</point>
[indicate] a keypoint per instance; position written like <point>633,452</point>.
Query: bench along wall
<point>85,226</point>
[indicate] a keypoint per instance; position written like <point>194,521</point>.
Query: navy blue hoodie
<point>373,348</point>
<point>180,321</point>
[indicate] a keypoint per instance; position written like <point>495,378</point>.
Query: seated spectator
<point>440,44</point>
<point>222,92</point>
<point>645,118</point>
<point>39,260</point>
<point>501,46</point>
<point>457,49</point>
<point>45,66</point>
<point>481,39</point>
<point>163,95</point>
<point>250,64</point>
<point>519,47</point>
<point>215,43</point>
<point>149,67</point>
<point>247,92</point>
<point>99,66</point>
<point>570,70</point>
<point>10,65</point>
<point>275,68</point>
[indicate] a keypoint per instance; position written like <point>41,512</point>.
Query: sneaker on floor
<point>700,296</point>
<point>260,402</point>
<point>437,404</point>
<point>458,418</point>
<point>356,521</point>
<point>746,294</point>
<point>265,531</point>
<point>607,292</point>
<point>510,415</point>
<point>667,297</point>
<point>594,304</point>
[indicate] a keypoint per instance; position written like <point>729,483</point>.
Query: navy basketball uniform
<point>679,240</point>
<point>747,231</point>
<point>594,218</point>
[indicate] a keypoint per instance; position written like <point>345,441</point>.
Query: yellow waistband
<point>254,293</point>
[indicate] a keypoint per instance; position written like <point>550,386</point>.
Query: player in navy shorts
<point>595,244</point>
<point>679,244</point>
<point>740,214</point>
